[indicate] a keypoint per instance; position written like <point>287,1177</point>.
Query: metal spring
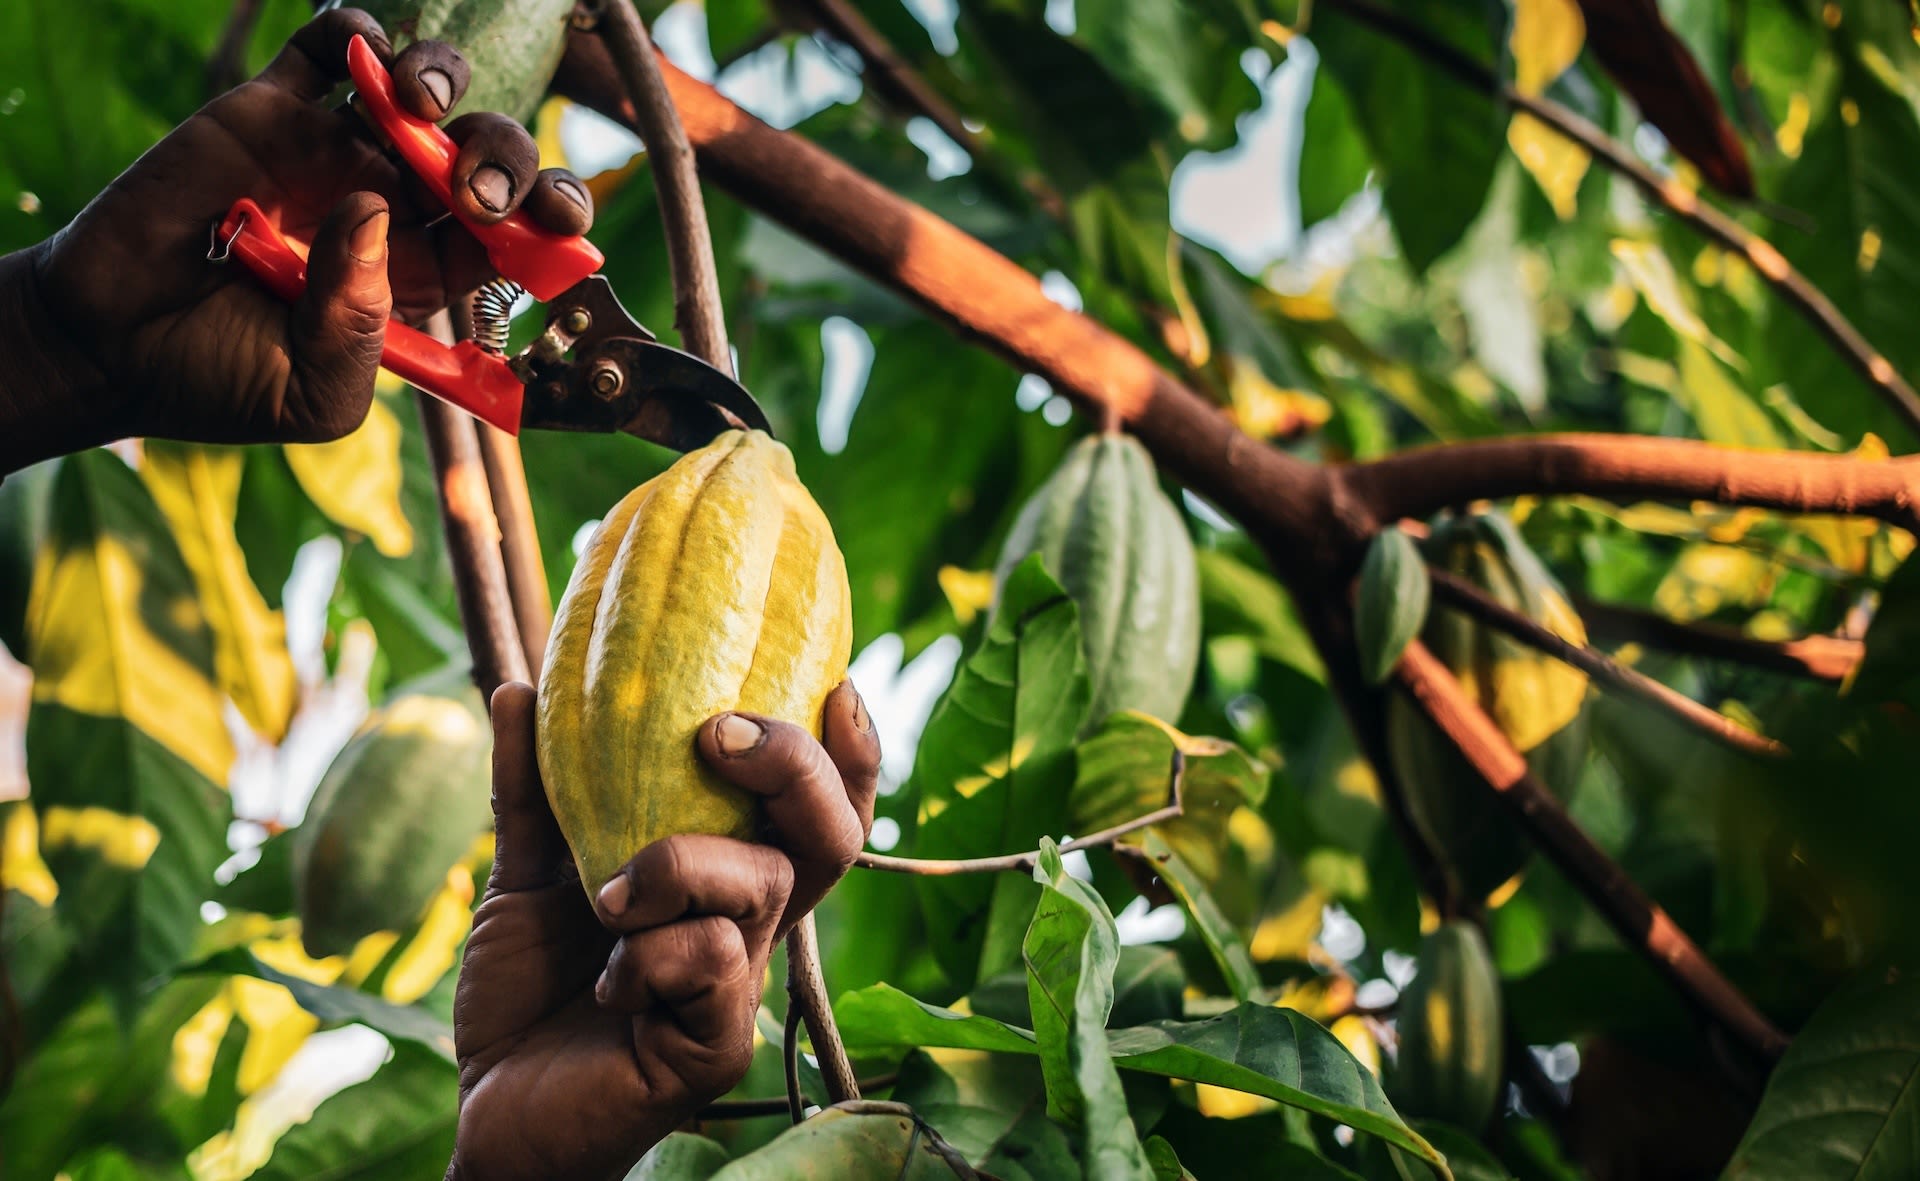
<point>493,313</point>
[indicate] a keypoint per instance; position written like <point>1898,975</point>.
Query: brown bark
<point>1637,919</point>
<point>1630,467</point>
<point>519,542</point>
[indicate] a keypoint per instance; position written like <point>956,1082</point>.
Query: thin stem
<point>1816,658</point>
<point>807,987</point>
<point>519,542</point>
<point>790,1049</point>
<point>888,72</point>
<point>696,281</point>
<point>1625,468</point>
<point>1682,202</point>
<point>1640,923</point>
<point>473,539</point>
<point>1024,862</point>
<point>227,65</point>
<point>1462,595</point>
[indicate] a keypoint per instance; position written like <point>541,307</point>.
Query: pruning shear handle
<point>479,382</point>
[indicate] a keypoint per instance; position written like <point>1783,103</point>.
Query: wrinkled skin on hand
<point>159,341</point>
<point>586,1033</point>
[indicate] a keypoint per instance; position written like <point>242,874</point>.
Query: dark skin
<point>585,1030</point>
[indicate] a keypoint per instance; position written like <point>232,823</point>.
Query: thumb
<point>340,324</point>
<point>528,850</point>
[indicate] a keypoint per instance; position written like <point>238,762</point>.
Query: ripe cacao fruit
<point>714,586</point>
<point>399,806</point>
<point>1539,702</point>
<point>1120,548</point>
<point>1451,1037</point>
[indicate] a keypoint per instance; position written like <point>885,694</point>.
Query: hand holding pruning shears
<point>138,333</point>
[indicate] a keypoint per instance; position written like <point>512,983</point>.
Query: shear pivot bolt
<point>605,381</point>
<point>576,322</point>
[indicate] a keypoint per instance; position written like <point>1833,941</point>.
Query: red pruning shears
<point>594,368</point>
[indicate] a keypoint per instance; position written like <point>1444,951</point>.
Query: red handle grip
<point>464,374</point>
<point>543,262</point>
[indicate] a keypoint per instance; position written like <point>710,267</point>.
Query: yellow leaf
<point>92,639</point>
<point>1224,1103</point>
<point>122,841</point>
<point>355,481</point>
<point>1546,40</point>
<point>197,1043</point>
<point>1709,577</point>
<point>969,592</point>
<point>1265,410</point>
<point>198,488</point>
<point>276,1027</point>
<point>1357,1036</point>
<point>1722,408</point>
<point>546,134</point>
<point>431,952</point>
<point>1289,933</point>
<point>1556,163</point>
<point>20,865</point>
<point>1653,276</point>
<point>1196,345</point>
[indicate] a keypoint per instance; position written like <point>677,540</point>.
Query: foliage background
<point>205,627</point>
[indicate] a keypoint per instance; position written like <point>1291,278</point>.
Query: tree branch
<point>696,282</point>
<point>1024,862</point>
<point>1462,595</point>
<point>1683,203</point>
<point>1636,918</point>
<point>807,988</point>
<point>1626,468</point>
<point>983,296</point>
<point>519,542</point>
<point>1816,658</point>
<point>473,539</point>
<point>897,82</point>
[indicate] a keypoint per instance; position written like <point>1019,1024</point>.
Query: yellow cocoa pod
<point>714,586</point>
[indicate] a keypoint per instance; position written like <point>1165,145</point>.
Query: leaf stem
<point>1816,658</point>
<point>1024,862</point>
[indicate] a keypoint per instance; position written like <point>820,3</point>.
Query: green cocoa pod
<point>401,804</point>
<point>1451,1039</point>
<point>1121,550</point>
<point>1537,701</point>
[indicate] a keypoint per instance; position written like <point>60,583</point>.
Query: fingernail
<point>368,242</point>
<point>738,735</point>
<point>601,988</point>
<point>615,895</point>
<point>491,186</point>
<point>572,192</point>
<point>439,84</point>
<point>860,718</point>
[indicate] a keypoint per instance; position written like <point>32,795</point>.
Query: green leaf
<point>1165,1162</point>
<point>1844,1102</point>
<point>1121,773</point>
<point>1333,153</point>
<point>994,770</point>
<point>87,1080</point>
<point>1178,54</point>
<point>1435,141</point>
<point>266,886</point>
<point>992,1108</point>
<point>1275,1053</point>
<point>1238,600</point>
<point>396,1126</point>
<point>513,45</point>
<point>682,1156</point>
<point>1070,953</point>
<point>859,1142</point>
<point>24,500</point>
<point>337,1005</point>
<point>1391,606</point>
<point>1223,942</point>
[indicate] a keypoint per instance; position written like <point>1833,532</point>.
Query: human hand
<point>586,1033</point>
<point>157,340</point>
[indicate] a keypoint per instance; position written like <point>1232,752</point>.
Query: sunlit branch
<point>1457,592</point>
<point>1024,862</point>
<point>1641,924</point>
<point>1681,201</point>
<point>1626,468</point>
